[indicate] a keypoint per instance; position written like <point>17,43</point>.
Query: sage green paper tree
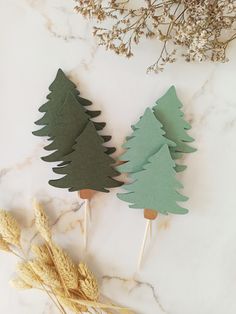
<point>147,138</point>
<point>168,111</point>
<point>155,189</point>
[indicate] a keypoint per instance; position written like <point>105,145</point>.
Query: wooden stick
<point>87,194</point>
<point>89,211</point>
<point>148,223</point>
<point>86,209</point>
<point>150,229</point>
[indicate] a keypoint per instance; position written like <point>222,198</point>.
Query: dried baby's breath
<point>9,228</point>
<point>20,284</point>
<point>41,222</point>
<point>4,246</point>
<point>88,282</point>
<point>198,30</point>
<point>46,273</point>
<point>42,253</point>
<point>65,267</point>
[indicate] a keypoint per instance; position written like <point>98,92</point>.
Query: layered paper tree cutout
<point>88,166</point>
<point>158,139</point>
<point>151,168</point>
<point>147,138</point>
<point>65,116</point>
<point>76,143</point>
<point>168,111</point>
<point>155,187</point>
<point>74,137</point>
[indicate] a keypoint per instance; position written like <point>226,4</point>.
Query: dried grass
<point>4,246</point>
<point>9,228</point>
<point>66,268</point>
<point>51,269</point>
<point>41,222</point>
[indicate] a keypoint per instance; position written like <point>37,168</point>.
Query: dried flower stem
<point>202,29</point>
<point>52,270</point>
<point>61,278</point>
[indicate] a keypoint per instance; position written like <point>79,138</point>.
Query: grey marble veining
<point>189,265</point>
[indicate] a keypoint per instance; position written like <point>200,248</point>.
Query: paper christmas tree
<point>168,111</point>
<point>69,123</point>
<point>65,116</point>
<point>89,167</point>
<point>147,138</point>
<point>155,187</point>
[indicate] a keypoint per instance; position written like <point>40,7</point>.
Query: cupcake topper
<point>75,142</point>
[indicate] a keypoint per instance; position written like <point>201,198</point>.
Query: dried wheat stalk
<point>51,269</point>
<point>9,228</point>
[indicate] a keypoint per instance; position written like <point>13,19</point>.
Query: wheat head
<point>9,228</point>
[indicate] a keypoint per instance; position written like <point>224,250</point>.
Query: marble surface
<point>189,265</point>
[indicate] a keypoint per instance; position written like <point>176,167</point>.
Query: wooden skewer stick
<point>150,215</point>
<point>150,229</point>
<point>86,224</point>
<point>88,209</point>
<point>86,194</point>
<point>143,244</point>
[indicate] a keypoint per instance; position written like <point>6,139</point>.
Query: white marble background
<point>190,264</point>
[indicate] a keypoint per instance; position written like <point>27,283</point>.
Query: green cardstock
<point>88,166</point>
<point>68,123</point>
<point>63,114</point>
<point>168,111</point>
<point>156,186</point>
<point>147,138</point>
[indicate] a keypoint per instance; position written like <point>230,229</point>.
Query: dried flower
<point>20,284</point>
<point>52,270</point>
<point>203,29</point>
<point>41,222</point>
<point>4,246</point>
<point>26,273</point>
<point>42,253</point>
<point>46,273</point>
<point>9,228</point>
<point>88,282</point>
<point>76,308</point>
<point>65,267</point>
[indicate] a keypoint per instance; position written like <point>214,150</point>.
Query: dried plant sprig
<point>26,273</point>
<point>20,284</point>
<point>88,282</point>
<point>46,273</point>
<point>66,268</point>
<point>41,222</point>
<point>50,269</point>
<point>75,308</point>
<point>4,246</point>
<point>199,30</point>
<point>9,228</point>
<point>41,252</point>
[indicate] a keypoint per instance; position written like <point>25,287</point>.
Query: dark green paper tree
<point>68,124</point>
<point>147,138</point>
<point>88,166</point>
<point>66,112</point>
<point>168,111</point>
<point>155,187</point>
